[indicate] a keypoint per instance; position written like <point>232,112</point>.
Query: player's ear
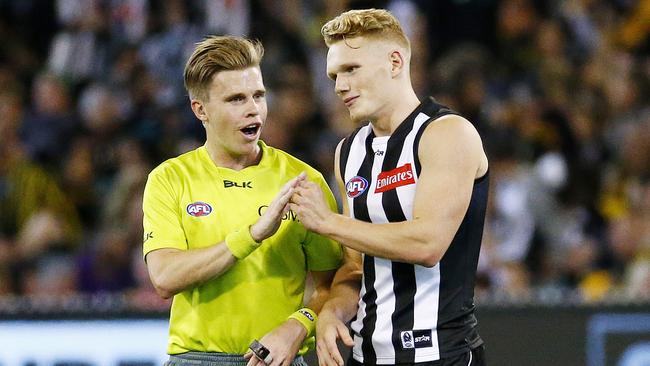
<point>396,62</point>
<point>199,110</point>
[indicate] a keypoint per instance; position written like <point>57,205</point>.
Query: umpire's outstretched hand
<point>270,221</point>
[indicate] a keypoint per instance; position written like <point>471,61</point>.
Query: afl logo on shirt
<point>407,340</point>
<point>417,338</point>
<point>198,209</point>
<point>356,186</point>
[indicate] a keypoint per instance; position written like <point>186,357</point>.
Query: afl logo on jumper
<point>356,186</point>
<point>407,340</point>
<point>400,176</point>
<point>417,338</point>
<point>198,209</point>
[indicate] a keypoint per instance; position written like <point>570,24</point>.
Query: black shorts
<point>474,358</point>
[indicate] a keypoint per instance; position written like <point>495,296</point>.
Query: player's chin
<point>358,118</point>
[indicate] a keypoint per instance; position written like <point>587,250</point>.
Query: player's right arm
<point>342,303</point>
<point>173,270</point>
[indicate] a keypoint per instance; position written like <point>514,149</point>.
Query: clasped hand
<point>270,221</point>
<point>309,205</point>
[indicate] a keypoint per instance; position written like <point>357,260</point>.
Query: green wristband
<point>307,317</point>
<point>241,243</point>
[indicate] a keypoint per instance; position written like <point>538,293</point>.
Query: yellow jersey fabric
<point>191,203</point>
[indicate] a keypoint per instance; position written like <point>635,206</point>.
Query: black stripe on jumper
<point>404,285</point>
<point>370,297</point>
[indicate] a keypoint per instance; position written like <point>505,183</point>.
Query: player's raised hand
<point>309,205</point>
<point>270,221</point>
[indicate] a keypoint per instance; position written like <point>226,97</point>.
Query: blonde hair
<point>215,54</point>
<point>367,22</point>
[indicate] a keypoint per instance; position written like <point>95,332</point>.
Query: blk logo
<point>147,236</point>
<point>229,184</point>
<point>356,186</point>
<point>379,153</point>
<point>198,209</point>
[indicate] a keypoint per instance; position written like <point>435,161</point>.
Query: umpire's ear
<point>199,111</point>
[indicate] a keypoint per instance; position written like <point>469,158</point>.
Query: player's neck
<point>395,113</point>
<point>230,160</point>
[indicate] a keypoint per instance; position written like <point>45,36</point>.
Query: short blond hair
<point>367,22</point>
<point>215,54</point>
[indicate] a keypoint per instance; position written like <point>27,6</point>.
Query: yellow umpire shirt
<point>191,203</point>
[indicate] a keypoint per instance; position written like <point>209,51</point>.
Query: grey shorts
<point>216,359</point>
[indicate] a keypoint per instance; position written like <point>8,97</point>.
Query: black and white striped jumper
<point>409,313</point>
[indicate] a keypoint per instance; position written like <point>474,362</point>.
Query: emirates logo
<point>400,176</point>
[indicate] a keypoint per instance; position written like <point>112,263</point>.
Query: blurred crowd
<point>92,98</point>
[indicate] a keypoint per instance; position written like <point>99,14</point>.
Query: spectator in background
<point>296,122</point>
<point>91,164</point>
<point>37,220</point>
<point>105,266</point>
<point>50,123</point>
<point>628,207</point>
<point>79,50</point>
<point>106,263</point>
<point>510,225</point>
<point>165,52</point>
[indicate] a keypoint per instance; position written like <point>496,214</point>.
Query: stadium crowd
<point>91,99</point>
